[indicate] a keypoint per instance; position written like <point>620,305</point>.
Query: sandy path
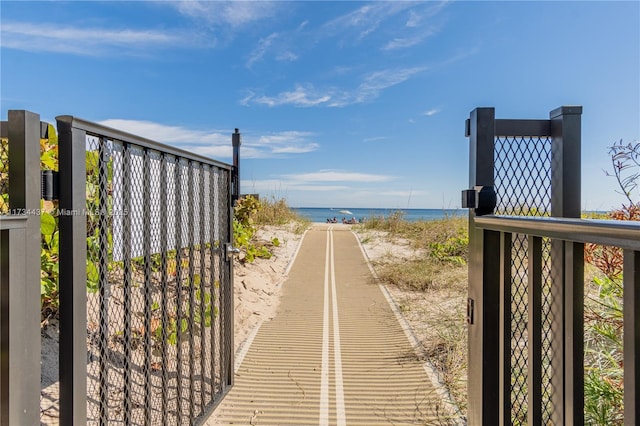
<point>377,375</point>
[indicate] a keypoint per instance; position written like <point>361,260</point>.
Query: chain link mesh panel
<point>523,188</point>
<point>157,285</point>
<point>4,176</point>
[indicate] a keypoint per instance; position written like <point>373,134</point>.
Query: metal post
<point>235,177</point>
<point>228,293</point>
<point>631,302</point>
<point>228,297</point>
<point>73,272</point>
<point>534,331</point>
<point>484,282</point>
<point>573,374</point>
<point>565,160</point>
<point>20,294</point>
<point>567,261</point>
<point>506,320</point>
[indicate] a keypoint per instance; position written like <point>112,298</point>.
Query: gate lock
<point>482,199</point>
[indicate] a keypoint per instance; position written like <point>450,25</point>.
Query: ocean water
<point>321,214</point>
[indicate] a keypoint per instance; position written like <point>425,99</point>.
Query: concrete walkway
<point>335,353</point>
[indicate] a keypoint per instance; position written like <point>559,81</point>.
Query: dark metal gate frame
<point>199,392</point>
<point>526,274</point>
<point>156,384</point>
<point>541,181</point>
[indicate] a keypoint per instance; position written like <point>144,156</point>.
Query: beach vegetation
<point>250,214</point>
<point>276,212</point>
<point>604,291</point>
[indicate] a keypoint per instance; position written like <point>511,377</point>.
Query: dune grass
<point>276,212</point>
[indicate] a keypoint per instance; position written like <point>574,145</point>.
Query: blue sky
<point>341,104</point>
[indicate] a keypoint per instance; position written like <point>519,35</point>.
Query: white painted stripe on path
<point>324,377</point>
<point>337,352</point>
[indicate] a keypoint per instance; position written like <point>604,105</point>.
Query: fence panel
<point>155,284</point>
<point>530,165</point>
<point>523,188</point>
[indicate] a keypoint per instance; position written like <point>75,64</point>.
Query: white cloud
<point>217,144</point>
<point>431,112</point>
<point>402,193</point>
<point>375,139</point>
<point>414,19</point>
<point>377,81</point>
<point>402,43</point>
<point>286,56</point>
<point>260,50</point>
<point>83,41</point>
<point>222,13</point>
<point>307,95</point>
<point>337,176</point>
<point>268,44</point>
<point>282,185</point>
<point>167,134</point>
<point>288,142</point>
<point>378,17</point>
<point>303,95</point>
<point>364,20</point>
<point>321,181</point>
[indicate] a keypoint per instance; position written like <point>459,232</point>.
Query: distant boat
<point>345,212</point>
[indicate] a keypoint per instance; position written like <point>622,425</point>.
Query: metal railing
<point>145,279</point>
<point>565,404</point>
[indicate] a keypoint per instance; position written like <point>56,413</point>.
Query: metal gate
<point>526,307</point>
<point>517,313</point>
<point>145,277</point>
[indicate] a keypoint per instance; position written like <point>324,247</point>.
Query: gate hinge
<point>49,184</point>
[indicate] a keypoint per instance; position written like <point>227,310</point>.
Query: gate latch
<point>49,184</point>
<point>482,199</point>
<point>230,251</point>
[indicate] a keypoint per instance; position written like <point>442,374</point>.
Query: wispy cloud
<point>365,20</point>
<point>260,50</point>
<point>414,19</point>
<point>227,13</point>
<point>216,143</point>
<point>402,193</point>
<point>406,22</point>
<point>337,176</point>
<point>270,44</point>
<point>281,186</point>
<point>320,181</point>
<point>417,28</point>
<point>307,95</point>
<point>83,41</point>
<point>303,95</point>
<point>377,81</point>
<point>375,139</point>
<point>431,112</point>
<point>288,142</point>
<point>402,43</point>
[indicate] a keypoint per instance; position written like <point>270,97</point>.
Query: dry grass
<point>277,212</point>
